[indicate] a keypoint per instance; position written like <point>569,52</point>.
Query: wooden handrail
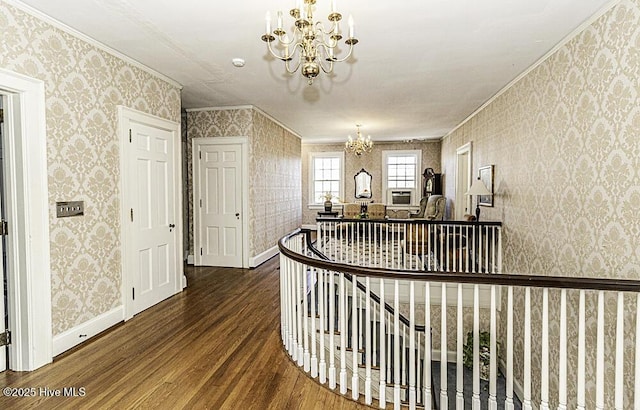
<point>558,282</point>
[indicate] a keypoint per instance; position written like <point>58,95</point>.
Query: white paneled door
<point>153,215</point>
<point>218,204</point>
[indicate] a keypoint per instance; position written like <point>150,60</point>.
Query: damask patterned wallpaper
<point>371,161</point>
<point>274,168</point>
<point>565,142</point>
<point>83,86</point>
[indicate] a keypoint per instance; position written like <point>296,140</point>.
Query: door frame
<point>28,251</point>
<point>461,198</point>
<point>126,116</point>
<point>196,143</point>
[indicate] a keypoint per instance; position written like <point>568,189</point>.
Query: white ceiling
<point>420,69</point>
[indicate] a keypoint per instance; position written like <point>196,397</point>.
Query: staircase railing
<point>549,349</point>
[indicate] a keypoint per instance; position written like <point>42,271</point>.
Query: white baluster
<point>443,349</point>
<point>396,345</point>
<point>427,347</point>
<point>581,403</point>
<point>619,378</point>
<point>332,331</point>
<point>322,307</point>
<point>562,358</point>
<point>544,376</point>
<point>314,353</point>
<point>343,334</point>
<point>493,352</point>
<point>295,311</point>
<point>600,353</point>
<point>526,403</point>
<point>459,357</point>
<point>368,348</point>
<point>306,357</point>
<point>412,345</point>
<point>475,397</point>
<point>301,297</point>
<point>383,352</point>
<point>637,366</point>
<point>355,377</point>
<point>508,401</point>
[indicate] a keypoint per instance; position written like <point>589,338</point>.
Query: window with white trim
<point>325,176</point>
<point>400,174</point>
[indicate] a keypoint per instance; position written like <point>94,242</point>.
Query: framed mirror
<point>363,184</point>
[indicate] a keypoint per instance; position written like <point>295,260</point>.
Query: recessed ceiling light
<point>238,62</point>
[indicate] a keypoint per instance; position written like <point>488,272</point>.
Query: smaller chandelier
<point>311,43</point>
<point>360,145</point>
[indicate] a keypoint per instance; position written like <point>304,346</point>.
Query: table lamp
<point>478,188</point>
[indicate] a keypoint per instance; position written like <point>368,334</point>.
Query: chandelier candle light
<point>360,145</point>
<point>311,43</point>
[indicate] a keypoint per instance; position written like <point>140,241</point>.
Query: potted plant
<point>485,353</point>
<point>327,201</point>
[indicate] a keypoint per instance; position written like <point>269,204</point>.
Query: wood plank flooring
<point>214,346</point>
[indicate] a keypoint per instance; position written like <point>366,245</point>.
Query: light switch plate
<point>70,208</point>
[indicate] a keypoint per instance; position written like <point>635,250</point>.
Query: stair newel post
<point>355,377</point>
<point>332,330</point>
<point>342,318</point>
<point>368,348</point>
<point>313,319</point>
<point>459,344</point>
<point>322,312</point>
<point>396,346</point>
<point>383,352</point>
<point>426,382</point>
<point>444,400</point>
<point>412,345</point>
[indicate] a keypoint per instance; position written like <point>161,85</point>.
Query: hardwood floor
<point>214,346</point>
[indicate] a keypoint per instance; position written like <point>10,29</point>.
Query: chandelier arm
<point>340,60</point>
<point>287,62</point>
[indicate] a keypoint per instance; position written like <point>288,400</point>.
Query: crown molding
<point>70,30</point>
<point>606,8</point>
<point>246,107</point>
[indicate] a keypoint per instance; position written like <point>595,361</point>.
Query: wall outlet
<point>71,208</point>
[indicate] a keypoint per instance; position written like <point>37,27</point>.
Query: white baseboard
<point>263,257</point>
<point>83,332</point>
<point>190,259</point>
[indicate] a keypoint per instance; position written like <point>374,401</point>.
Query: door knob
<point>171,226</point>
<point>238,215</point>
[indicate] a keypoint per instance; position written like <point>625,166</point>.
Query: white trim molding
<point>28,252</point>
<point>84,331</point>
<point>258,260</point>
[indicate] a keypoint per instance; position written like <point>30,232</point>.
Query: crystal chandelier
<point>310,43</point>
<point>360,145</point>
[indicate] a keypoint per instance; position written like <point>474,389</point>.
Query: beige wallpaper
<point>274,168</point>
<point>83,86</point>
<point>371,161</point>
<point>566,148</point>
